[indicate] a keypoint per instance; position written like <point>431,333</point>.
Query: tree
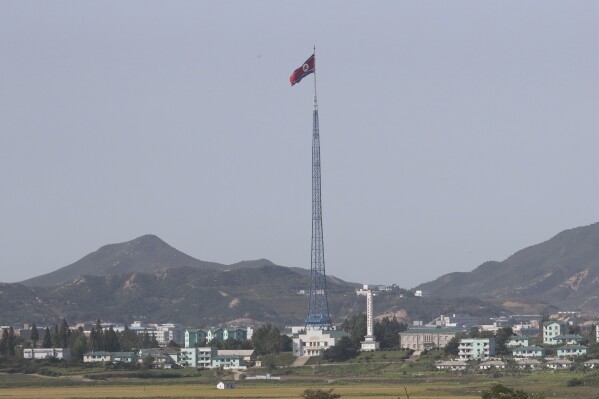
<point>63,334</point>
<point>146,342</point>
<point>111,341</point>
<point>10,344</point>
<point>320,394</point>
<point>78,344</point>
<point>387,332</point>
<point>129,340</point>
<point>4,342</point>
<point>266,340</point>
<point>153,341</point>
<point>355,326</point>
<point>499,391</point>
<point>34,335</point>
<point>56,339</point>
<point>47,342</point>
<point>342,351</point>
<point>501,337</point>
<point>147,361</point>
<point>452,346</point>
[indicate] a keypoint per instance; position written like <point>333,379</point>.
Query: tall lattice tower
<point>318,311</point>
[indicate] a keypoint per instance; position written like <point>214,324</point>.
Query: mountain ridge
<point>562,271</point>
<point>147,253</point>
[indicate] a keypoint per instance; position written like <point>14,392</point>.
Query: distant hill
<point>147,253</point>
<point>20,303</point>
<point>146,279</point>
<point>267,294</point>
<point>562,271</point>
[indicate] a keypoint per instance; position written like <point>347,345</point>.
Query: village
<point>533,342</point>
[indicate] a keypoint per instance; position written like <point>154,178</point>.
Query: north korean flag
<point>306,69</point>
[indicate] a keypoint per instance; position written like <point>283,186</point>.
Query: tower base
<point>369,344</point>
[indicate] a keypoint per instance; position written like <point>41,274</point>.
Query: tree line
<point>266,340</point>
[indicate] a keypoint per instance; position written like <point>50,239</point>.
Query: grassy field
<point>283,391</point>
<point>377,375</point>
<point>468,386</point>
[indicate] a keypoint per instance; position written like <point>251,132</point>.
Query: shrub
<point>574,382</point>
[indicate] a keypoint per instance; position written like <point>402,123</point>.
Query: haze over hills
<point>562,271</point>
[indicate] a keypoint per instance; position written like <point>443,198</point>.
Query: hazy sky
<point>451,132</point>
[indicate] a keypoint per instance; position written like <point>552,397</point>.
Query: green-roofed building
<point>572,351</point>
<point>195,337</point>
<point>125,357</point>
<point>552,329</point>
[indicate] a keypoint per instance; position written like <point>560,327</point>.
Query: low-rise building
<point>197,356</point>
<point>249,355</point>
<point>559,364</point>
<point>592,364</point>
<point>194,337</point>
<point>215,334</point>
<point>166,333</point>
<point>491,364</point>
<point>235,333</point>
<point>528,351</point>
<point>476,348</point>
<point>315,342</point>
<point>527,363</point>
<point>456,320</point>
<point>158,361</point>
<point>225,385</point>
<point>426,338</point>
<point>124,357</point>
<point>553,329</point>
<point>572,351</point>
<point>567,339</point>
<point>47,353</point>
<point>97,357</point>
<point>228,362</point>
<point>453,365</point>
<point>518,340</point>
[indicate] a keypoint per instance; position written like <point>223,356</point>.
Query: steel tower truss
<point>318,311</point>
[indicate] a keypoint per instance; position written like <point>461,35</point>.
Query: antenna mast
<point>318,312</point>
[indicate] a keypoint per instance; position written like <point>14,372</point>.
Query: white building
<point>197,357</point>
<point>553,329</point>
<point>46,353</point>
<point>315,342</point>
<point>456,320</point>
<point>476,348</point>
<point>170,332</point>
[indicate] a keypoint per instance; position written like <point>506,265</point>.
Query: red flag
<point>306,69</point>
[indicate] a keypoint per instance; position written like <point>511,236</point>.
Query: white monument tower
<point>369,344</point>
